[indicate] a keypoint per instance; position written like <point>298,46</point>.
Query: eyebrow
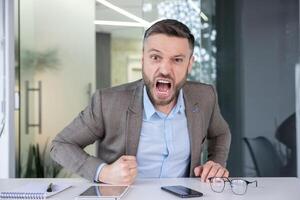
<point>154,50</point>
<point>158,51</point>
<point>180,55</point>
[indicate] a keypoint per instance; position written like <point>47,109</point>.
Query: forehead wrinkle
<point>164,44</point>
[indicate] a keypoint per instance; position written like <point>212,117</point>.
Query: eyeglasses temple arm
<point>249,182</point>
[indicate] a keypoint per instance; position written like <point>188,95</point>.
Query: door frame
<point>7,139</point>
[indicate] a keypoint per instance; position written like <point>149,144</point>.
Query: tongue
<point>162,87</point>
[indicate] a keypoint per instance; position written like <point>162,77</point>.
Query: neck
<point>166,109</point>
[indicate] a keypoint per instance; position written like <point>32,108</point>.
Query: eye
<point>178,60</point>
<point>155,57</point>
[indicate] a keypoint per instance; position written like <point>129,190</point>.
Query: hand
<point>210,169</point>
<point>123,171</point>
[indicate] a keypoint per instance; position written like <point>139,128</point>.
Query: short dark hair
<point>171,27</point>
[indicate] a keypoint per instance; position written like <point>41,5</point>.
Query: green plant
<point>40,61</point>
<point>39,164</point>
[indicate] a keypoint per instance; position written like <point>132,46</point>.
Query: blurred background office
<point>55,54</point>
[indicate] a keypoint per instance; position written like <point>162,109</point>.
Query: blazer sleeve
<point>86,128</point>
<point>219,136</point>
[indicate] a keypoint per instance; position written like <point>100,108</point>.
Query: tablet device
<point>104,191</point>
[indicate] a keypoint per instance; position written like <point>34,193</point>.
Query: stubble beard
<point>150,87</point>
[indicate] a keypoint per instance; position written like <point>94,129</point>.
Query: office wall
<point>298,106</point>
<point>297,76</point>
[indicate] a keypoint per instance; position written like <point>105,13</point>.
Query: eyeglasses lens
<point>238,186</point>
<point>217,184</point>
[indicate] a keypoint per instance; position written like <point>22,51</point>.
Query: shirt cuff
<point>96,178</point>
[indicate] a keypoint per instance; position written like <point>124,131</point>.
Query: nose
<point>165,67</point>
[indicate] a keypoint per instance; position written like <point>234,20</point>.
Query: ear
<point>142,59</point>
<point>191,62</point>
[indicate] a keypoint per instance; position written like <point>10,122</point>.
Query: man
<point>154,127</point>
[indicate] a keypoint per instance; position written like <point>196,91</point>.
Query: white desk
<point>149,189</point>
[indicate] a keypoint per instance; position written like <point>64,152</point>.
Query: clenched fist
<point>123,171</point>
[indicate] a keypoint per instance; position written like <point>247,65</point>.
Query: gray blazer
<point>114,118</point>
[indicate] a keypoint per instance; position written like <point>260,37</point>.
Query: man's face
<point>166,63</point>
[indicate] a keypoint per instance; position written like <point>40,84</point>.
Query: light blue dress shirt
<point>164,146</point>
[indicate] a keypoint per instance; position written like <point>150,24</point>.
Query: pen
<point>49,188</point>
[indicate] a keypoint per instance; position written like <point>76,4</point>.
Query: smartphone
<point>182,191</point>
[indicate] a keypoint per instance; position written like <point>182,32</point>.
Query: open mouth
<point>163,87</point>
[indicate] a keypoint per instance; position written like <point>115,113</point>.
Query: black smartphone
<point>182,191</point>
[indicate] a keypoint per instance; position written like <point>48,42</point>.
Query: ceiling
<point>135,7</point>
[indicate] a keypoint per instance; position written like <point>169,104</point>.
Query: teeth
<point>163,81</point>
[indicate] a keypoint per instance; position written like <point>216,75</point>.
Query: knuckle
<point>124,173</point>
<point>123,165</point>
<point>133,158</point>
<point>126,179</point>
<point>216,164</point>
<point>121,158</point>
<point>135,164</point>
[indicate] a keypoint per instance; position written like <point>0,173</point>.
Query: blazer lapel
<point>134,121</point>
<point>195,127</point>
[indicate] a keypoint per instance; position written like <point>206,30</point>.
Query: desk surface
<point>149,189</point>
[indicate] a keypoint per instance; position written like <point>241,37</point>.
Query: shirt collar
<point>150,110</point>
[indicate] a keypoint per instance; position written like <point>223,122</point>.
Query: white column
<point>297,87</point>
<point>7,139</point>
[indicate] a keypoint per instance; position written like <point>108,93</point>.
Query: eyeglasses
<point>238,186</point>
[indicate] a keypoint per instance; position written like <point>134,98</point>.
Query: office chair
<point>265,158</point>
<point>286,134</point>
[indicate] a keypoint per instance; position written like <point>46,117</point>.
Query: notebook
<point>33,190</point>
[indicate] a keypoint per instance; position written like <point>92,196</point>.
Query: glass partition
<point>56,65</point>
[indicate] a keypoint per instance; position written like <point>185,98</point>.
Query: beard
<point>151,86</point>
